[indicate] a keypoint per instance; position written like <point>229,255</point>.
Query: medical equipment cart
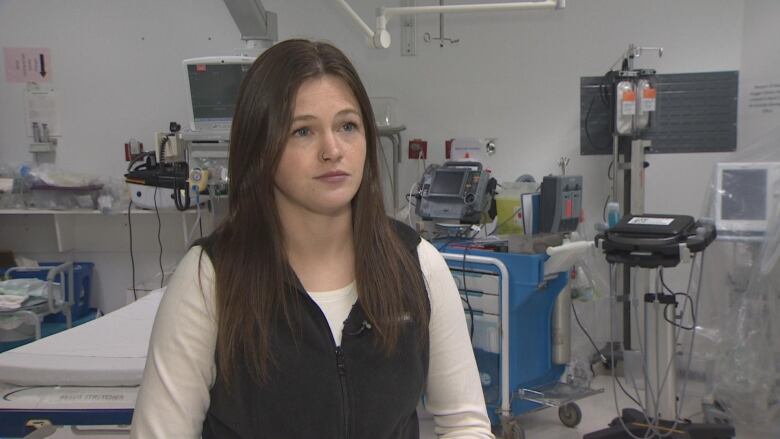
<point>510,301</point>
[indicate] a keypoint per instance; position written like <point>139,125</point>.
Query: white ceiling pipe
<point>356,18</point>
<point>381,38</point>
<point>442,9</point>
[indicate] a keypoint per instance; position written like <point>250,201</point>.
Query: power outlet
<point>418,149</point>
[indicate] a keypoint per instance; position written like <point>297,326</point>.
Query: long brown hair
<point>254,282</point>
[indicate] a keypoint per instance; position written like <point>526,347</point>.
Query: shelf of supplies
<point>89,211</point>
<point>46,211</point>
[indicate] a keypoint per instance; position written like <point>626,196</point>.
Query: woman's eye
<point>301,132</point>
<point>349,126</point>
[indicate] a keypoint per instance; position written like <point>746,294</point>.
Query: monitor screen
<point>447,182</point>
<point>214,89</point>
<point>743,195</point>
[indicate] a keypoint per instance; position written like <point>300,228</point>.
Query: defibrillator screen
<point>448,183</point>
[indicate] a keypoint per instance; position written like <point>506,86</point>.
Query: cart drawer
<point>487,303</point>
<point>486,283</point>
<point>486,336</point>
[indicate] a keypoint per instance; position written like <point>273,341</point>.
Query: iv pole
<point>628,189</point>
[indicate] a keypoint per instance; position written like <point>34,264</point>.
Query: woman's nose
<point>330,147</point>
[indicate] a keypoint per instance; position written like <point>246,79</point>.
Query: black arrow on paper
<point>43,67</point>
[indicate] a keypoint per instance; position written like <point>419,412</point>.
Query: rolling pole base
<point>636,423</point>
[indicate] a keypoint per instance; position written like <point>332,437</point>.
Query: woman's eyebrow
<point>348,111</point>
<point>303,117</point>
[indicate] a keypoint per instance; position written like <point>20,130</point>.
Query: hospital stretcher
<point>88,375</point>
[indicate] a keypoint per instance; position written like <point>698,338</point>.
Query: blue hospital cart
<point>511,302</point>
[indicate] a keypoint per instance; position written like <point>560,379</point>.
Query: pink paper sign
<point>23,64</point>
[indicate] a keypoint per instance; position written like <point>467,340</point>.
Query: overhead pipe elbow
<point>381,38</point>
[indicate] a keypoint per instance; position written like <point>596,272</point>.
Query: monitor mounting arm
<point>257,26</point>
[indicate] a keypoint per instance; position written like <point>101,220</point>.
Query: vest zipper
<point>342,378</point>
<point>340,364</point>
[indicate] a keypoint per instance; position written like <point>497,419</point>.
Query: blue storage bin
<point>82,284</point>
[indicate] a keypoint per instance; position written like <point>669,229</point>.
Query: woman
<point>308,313</point>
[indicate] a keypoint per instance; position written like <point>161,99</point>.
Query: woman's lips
<point>333,177</point>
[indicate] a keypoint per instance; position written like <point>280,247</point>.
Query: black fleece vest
<point>318,390</point>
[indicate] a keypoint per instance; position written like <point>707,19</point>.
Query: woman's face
<point>322,162</point>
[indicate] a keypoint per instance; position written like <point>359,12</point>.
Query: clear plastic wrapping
<point>737,346</point>
<point>47,187</point>
<point>590,299</point>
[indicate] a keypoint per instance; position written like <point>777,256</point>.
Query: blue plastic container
<point>82,284</point>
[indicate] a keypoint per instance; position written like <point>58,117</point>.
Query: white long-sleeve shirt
<point>180,368</point>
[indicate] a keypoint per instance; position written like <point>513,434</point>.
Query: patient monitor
<point>212,89</point>
<point>746,196</point>
<point>459,191</point>
<point>213,84</point>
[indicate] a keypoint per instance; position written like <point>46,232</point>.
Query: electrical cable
<point>585,331</point>
<point>685,306</point>
<point>654,427</point>
<point>662,386</point>
<point>635,304</point>
<point>671,361</point>
<point>466,293</point>
<point>604,95</point>
<point>148,157</point>
<point>411,205</point>
<point>698,290</point>
<point>613,294</point>
<point>587,130</point>
<point>693,334</point>
<point>159,240</point>
<point>163,142</point>
<point>181,205</point>
<point>603,358</point>
<point>465,296</point>
<point>132,260</point>
<point>604,210</point>
<point>672,322</point>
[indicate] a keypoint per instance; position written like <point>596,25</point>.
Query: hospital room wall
<point>117,67</point>
<point>513,76</point>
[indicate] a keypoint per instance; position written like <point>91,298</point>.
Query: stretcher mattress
<point>108,351</point>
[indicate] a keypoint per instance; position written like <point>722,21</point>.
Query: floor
<point>597,412</point>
